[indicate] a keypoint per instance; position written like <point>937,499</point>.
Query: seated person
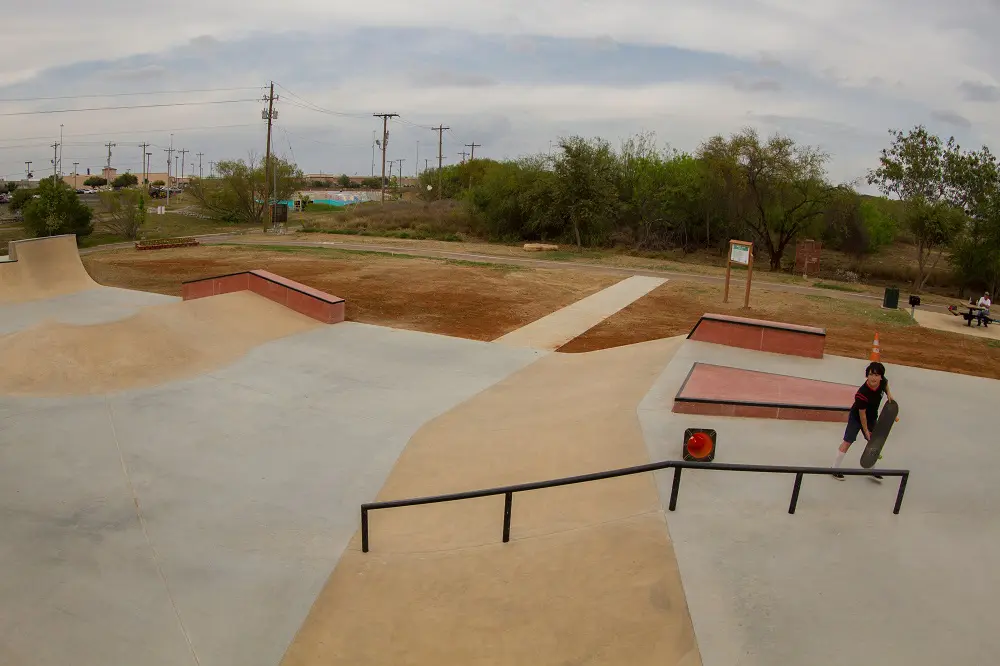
<point>984,314</point>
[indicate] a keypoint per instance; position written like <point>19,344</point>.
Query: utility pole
<point>177,169</point>
<point>199,164</point>
<point>211,169</point>
<point>400,176</point>
<point>385,139</point>
<point>472,156</point>
<point>75,165</point>
<point>27,170</point>
<point>108,172</point>
<point>55,161</point>
<point>426,164</point>
<point>170,154</point>
<point>142,160</point>
<point>269,116</point>
<point>463,154</point>
<point>440,130</point>
<point>148,155</point>
<point>183,153</point>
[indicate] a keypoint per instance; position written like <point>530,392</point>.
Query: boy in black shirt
<point>864,411</point>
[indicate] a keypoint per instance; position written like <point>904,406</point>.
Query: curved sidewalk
<point>590,573</point>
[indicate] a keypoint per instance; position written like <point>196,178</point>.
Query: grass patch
<point>336,251</point>
<point>438,220</point>
<point>418,234</point>
<point>838,287</point>
<point>870,313</point>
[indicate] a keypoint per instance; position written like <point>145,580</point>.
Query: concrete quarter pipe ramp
<point>43,268</point>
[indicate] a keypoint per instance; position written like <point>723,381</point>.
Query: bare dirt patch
<point>476,301</point>
<point>674,308</point>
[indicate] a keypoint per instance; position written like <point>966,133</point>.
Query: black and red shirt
<point>869,400</point>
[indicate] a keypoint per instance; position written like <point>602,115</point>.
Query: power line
<point>142,131</point>
<point>127,94</point>
<point>134,106</point>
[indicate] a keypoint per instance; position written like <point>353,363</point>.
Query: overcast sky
<point>511,76</point>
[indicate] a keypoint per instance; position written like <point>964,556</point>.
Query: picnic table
<point>973,312</point>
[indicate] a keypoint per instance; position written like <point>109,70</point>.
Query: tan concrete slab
<point>556,329</point>
<point>953,324</point>
<point>589,575</point>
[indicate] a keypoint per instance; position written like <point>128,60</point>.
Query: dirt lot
<point>477,301</point>
<point>485,301</point>
<point>674,308</point>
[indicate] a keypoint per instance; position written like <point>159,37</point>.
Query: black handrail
<point>677,465</point>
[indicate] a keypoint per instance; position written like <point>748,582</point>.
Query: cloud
<point>952,118</point>
<point>834,72</point>
<point>740,82</point>
<point>453,79</point>
<point>148,74</point>
<point>979,92</point>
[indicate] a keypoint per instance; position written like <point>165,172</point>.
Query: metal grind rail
<point>677,465</point>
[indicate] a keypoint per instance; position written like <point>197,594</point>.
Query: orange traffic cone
<point>876,354</point>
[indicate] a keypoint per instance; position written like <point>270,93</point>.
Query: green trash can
<point>891,299</point>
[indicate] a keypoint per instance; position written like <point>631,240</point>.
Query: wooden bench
<point>760,335</point>
<point>311,302</point>
<point>161,243</point>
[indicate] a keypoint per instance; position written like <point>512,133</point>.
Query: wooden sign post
<point>741,253</point>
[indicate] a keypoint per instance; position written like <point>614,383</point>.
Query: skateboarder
<point>864,411</point>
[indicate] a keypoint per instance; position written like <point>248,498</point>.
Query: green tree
<point>57,210</point>
<point>344,180</point>
<point>586,194</point>
<point>932,178</point>
<point>158,183</point>
<point>20,198</point>
<point>779,189</point>
<point>124,180</point>
<point>236,194</point>
<point>126,212</point>
<point>935,225</point>
<point>879,224</point>
<point>514,201</point>
<point>95,181</point>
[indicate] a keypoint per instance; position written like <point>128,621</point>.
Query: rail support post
<point>364,530</point>
<point>508,500</point>
<point>795,492</point>
<point>675,488</point>
<point>899,495</point>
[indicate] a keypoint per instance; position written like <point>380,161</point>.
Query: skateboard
<point>881,430</point>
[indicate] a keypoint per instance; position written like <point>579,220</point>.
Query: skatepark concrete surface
<point>557,328</point>
<point>187,491</point>
<point>589,575</point>
<point>91,306</point>
<point>843,581</point>
<point>196,521</point>
<point>157,344</point>
<point>43,268</point>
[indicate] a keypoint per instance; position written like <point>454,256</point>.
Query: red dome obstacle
<point>699,445</point>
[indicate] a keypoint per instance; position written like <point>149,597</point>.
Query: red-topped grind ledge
<point>760,335</point>
<point>716,390</point>
<point>293,295</point>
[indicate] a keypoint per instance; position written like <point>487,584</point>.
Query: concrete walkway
<point>952,324</point>
<point>589,575</point>
<point>556,329</point>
